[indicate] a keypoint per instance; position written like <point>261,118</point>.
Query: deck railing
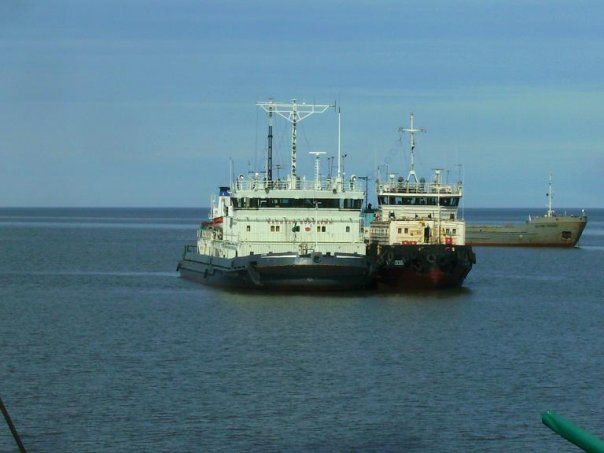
<point>327,184</point>
<point>420,187</point>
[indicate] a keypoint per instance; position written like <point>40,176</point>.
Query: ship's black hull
<point>279,272</point>
<point>421,266</point>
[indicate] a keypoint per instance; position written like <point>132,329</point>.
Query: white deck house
<point>260,215</point>
<point>413,211</point>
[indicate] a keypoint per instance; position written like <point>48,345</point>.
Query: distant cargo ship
<point>550,230</point>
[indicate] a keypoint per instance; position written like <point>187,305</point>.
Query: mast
<point>269,107</point>
<point>294,113</point>
<point>269,159</point>
<point>550,195</point>
<point>294,121</point>
<point>339,143</point>
<point>317,155</point>
<point>412,131</point>
<point>366,179</point>
<point>231,172</point>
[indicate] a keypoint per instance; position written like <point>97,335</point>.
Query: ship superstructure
<point>275,233</point>
<point>418,212</point>
<point>417,234</point>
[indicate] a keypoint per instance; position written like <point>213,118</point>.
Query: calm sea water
<point>103,347</point>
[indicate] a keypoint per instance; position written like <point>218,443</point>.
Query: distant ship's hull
<point>422,266</point>
<point>563,231</point>
<point>279,271</point>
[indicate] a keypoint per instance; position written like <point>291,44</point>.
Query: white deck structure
<point>413,211</point>
<point>260,216</point>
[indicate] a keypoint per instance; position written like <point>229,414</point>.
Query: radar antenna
<point>412,131</point>
<point>294,113</point>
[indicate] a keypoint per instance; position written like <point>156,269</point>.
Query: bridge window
<point>417,200</point>
<point>309,203</point>
<point>352,204</point>
<point>449,201</point>
<point>248,228</point>
<point>348,229</point>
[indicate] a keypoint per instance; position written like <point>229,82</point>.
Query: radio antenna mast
<point>550,196</point>
<point>412,131</point>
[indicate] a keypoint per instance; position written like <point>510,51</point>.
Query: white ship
<point>417,236</point>
<point>294,233</point>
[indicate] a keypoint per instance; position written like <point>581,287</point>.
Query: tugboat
<point>417,238</point>
<point>549,230</point>
<point>292,234</point>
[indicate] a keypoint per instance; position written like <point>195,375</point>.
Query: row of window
<point>296,228</point>
<point>333,203</point>
<point>418,201</point>
<point>448,231</point>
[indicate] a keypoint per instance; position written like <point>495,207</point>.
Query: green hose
<point>572,433</point>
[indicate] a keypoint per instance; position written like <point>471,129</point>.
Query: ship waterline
<point>280,271</point>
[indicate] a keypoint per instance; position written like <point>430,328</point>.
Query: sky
<point>143,103</point>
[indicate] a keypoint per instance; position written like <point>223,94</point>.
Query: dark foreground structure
<point>421,266</point>
<point>279,271</point>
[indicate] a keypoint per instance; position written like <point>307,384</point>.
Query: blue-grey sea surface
<point>104,348</point>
